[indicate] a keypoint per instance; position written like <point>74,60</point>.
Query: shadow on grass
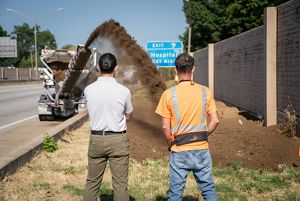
<point>110,197</point>
<point>185,198</point>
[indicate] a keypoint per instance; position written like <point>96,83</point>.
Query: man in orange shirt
<point>183,109</point>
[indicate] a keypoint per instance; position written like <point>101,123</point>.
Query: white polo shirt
<point>107,103</point>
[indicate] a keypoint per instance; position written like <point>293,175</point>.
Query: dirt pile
<point>146,70</point>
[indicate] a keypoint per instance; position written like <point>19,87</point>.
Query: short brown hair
<point>184,63</point>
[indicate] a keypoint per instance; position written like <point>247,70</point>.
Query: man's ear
<point>176,71</point>
<point>193,69</point>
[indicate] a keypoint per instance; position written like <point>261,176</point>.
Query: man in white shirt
<point>109,107</point>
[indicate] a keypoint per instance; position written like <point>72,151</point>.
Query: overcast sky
<point>145,20</point>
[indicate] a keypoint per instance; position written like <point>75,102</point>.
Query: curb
<point>24,154</point>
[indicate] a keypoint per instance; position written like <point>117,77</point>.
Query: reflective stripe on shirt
<point>181,128</point>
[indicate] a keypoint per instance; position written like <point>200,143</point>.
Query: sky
<point>145,20</point>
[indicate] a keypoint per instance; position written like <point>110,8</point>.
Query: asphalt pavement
<point>18,102</point>
<point>19,123</point>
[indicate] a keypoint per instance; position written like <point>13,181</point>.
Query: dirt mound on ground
<point>237,139</point>
<point>147,71</point>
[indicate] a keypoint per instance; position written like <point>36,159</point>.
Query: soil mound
<point>146,70</point>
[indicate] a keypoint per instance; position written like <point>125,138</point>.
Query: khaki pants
<point>112,148</point>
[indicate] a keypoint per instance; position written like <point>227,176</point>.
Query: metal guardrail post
<point>2,73</point>
<point>17,73</point>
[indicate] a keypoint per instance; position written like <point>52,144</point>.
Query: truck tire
<point>42,117</point>
<point>46,117</point>
<point>50,117</point>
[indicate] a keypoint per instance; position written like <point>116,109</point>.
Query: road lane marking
<point>20,89</point>
<point>17,122</point>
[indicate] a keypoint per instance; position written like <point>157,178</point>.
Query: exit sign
<point>164,53</point>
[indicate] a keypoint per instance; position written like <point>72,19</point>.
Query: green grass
<point>74,170</point>
<point>73,189</point>
<point>49,144</point>
<point>228,193</point>
<point>105,190</point>
<point>42,186</point>
<point>149,181</point>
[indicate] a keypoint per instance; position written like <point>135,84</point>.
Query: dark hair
<point>107,63</point>
<point>184,63</point>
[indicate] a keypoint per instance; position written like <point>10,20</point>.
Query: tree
<point>25,41</point>
<point>3,32</point>
<point>25,45</point>
<point>68,47</point>
<point>215,20</point>
<point>46,38</point>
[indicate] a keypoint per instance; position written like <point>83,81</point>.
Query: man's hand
<point>128,116</point>
<point>213,122</point>
<point>166,126</point>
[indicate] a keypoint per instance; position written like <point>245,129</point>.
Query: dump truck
<point>65,75</point>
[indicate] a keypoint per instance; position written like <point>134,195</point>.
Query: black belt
<point>190,138</point>
<point>107,132</point>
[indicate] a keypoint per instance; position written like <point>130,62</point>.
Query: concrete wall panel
<point>201,64</point>
<point>288,55</point>
<point>240,72</point>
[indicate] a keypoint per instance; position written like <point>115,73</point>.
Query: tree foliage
<point>25,45</point>
<point>25,41</point>
<point>3,32</point>
<point>68,47</point>
<point>215,20</point>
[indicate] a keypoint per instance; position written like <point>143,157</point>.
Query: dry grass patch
<point>288,127</point>
<point>61,176</point>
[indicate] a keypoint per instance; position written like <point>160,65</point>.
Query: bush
<point>288,126</point>
<point>49,144</point>
<point>167,73</point>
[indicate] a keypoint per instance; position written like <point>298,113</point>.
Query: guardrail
<point>8,73</point>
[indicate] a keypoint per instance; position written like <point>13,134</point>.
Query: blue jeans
<point>200,163</point>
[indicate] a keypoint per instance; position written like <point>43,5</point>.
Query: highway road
<point>18,102</point>
<point>19,123</point>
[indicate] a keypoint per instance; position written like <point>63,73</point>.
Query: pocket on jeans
<point>179,159</point>
<point>204,158</point>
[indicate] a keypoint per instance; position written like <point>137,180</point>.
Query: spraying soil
<point>134,54</point>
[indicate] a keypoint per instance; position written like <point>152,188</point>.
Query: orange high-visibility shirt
<point>187,104</point>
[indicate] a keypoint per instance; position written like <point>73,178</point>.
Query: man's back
<point>183,109</point>
<point>186,105</point>
<point>107,103</point>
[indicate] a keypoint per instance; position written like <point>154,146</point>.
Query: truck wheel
<point>50,117</point>
<point>46,117</point>
<point>42,117</point>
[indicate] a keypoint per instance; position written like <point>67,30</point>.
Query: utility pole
<point>189,40</point>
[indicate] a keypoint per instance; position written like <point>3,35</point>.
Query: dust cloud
<point>135,68</point>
